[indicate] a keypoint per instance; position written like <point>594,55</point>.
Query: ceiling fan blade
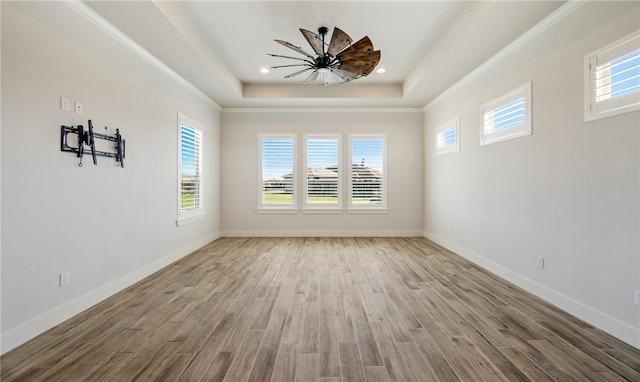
<point>290,66</point>
<point>371,56</point>
<point>293,58</point>
<point>312,77</point>
<point>361,66</point>
<point>314,40</point>
<point>296,48</point>
<point>330,78</point>
<point>344,75</point>
<point>363,47</point>
<point>339,41</point>
<point>297,73</point>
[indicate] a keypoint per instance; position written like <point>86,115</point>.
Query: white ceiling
<point>220,46</point>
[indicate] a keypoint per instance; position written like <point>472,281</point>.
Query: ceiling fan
<point>338,62</point>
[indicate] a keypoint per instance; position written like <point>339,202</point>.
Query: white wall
<point>405,166</point>
<point>569,193</point>
<point>107,226</point>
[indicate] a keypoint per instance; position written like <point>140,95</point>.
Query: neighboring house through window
<point>190,175</point>
<point>277,172</point>
<point>323,185</point>
<point>367,178</point>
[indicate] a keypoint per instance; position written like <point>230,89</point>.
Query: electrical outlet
<point>64,278</point>
<point>79,107</point>
<point>636,297</point>
<point>540,262</point>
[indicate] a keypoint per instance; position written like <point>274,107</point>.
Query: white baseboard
<point>30,329</point>
<point>322,233</point>
<point>603,321</point>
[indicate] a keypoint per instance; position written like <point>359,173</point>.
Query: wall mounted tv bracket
<point>88,138</point>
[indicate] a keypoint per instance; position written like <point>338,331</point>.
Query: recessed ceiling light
<point>381,70</point>
<point>264,70</point>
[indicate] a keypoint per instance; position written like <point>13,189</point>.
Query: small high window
<point>508,116</point>
<point>447,137</point>
<point>612,78</point>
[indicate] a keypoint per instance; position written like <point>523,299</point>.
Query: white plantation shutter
<point>322,163</point>
<point>447,137</point>
<point>367,177</point>
<point>507,117</point>
<point>612,78</point>
<point>190,184</point>
<point>277,171</point>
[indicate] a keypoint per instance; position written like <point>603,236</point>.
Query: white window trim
<point>514,132</point>
<point>189,216</point>
<point>322,207</point>
<point>594,110</point>
<point>368,208</point>
<point>454,123</point>
<point>278,208</point>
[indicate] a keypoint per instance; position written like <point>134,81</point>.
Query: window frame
<point>322,207</point>
<point>517,131</point>
<point>441,129</point>
<point>626,103</point>
<point>185,216</point>
<point>278,207</point>
<point>368,208</point>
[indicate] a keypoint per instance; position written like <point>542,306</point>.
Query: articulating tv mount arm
<point>88,138</point>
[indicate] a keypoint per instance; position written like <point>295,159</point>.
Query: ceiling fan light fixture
<point>340,61</point>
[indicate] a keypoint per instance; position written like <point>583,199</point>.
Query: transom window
<point>508,116</point>
<point>447,137</point>
<point>612,78</point>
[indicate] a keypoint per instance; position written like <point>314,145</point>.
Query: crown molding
<point>559,14</point>
<point>371,110</point>
<point>88,13</point>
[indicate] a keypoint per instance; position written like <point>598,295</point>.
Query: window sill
<point>276,210</point>
<point>372,210</point>
<point>322,210</point>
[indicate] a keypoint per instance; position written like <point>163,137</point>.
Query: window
<point>190,181</point>
<point>277,172</point>
<point>447,137</point>
<point>612,79</point>
<point>367,178</point>
<point>508,116</point>
<point>322,186</point>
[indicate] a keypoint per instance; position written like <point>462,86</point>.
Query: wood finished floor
<point>322,309</point>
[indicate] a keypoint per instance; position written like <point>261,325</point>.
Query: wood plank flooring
<point>326,310</point>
